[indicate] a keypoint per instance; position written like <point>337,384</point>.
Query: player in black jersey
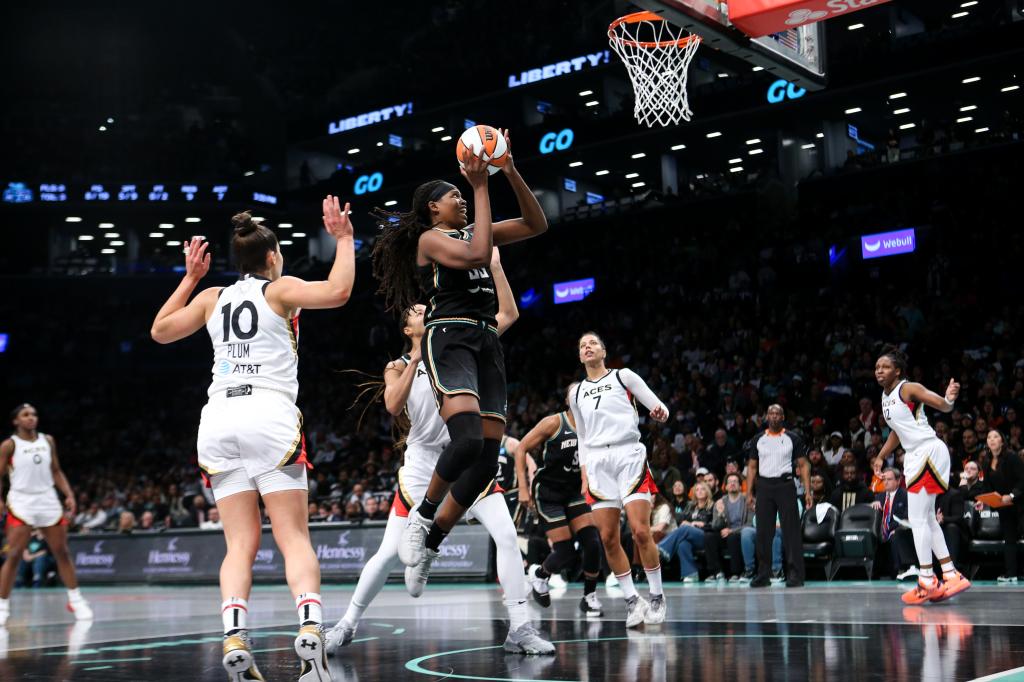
<point>433,250</point>
<point>556,496</point>
<point>507,473</point>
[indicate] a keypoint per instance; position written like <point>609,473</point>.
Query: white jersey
<point>30,469</point>
<point>607,411</point>
<point>252,345</point>
<point>428,430</point>
<point>906,419</point>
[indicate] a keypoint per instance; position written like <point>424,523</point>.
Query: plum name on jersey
<point>599,389</point>
<point>238,350</point>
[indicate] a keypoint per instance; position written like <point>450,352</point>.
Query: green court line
<point>414,664</point>
<point>1013,675</point>
<point>113,660</point>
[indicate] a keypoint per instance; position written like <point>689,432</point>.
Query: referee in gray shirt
<point>774,457</point>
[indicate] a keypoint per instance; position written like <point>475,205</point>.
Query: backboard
<point>797,55</point>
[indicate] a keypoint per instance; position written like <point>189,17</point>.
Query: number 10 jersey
<point>252,345</point>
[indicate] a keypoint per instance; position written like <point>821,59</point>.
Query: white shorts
<point>291,477</point>
<point>413,479</point>
<point>926,468</point>
<point>618,475</point>
<point>259,432</point>
<point>36,510</point>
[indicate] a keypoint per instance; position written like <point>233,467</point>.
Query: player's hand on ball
<point>474,168</point>
<point>197,261</point>
<point>336,220</point>
<point>509,164</point>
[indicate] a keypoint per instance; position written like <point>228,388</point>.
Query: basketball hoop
<point>657,57</point>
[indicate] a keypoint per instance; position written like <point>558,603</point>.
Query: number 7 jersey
<point>252,345</point>
<point>607,411</point>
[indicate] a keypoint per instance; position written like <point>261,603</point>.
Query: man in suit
<point>892,502</point>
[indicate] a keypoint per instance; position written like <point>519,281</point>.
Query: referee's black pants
<point>778,496</point>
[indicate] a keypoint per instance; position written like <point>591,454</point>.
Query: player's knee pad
<point>467,440</point>
<point>475,479</point>
<point>590,543</point>
<point>562,554</point>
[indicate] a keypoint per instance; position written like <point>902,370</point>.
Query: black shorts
<point>465,358</point>
<point>556,509</point>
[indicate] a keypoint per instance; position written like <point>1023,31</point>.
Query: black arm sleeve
<point>799,448</point>
<point>750,447</point>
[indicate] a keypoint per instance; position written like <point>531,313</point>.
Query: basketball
<point>492,142</point>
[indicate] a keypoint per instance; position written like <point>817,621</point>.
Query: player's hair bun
<point>243,223</point>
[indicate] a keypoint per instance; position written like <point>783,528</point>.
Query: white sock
<point>5,604</point>
<point>948,570</point>
<point>654,580</point>
<point>626,583</point>
<point>517,613</point>
<point>353,613</point>
<point>311,609</point>
<point>233,613</point>
<point>75,595</point>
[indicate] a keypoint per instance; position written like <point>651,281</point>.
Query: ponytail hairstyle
<point>250,243</point>
<point>394,253</point>
<point>897,357</point>
<point>403,322</point>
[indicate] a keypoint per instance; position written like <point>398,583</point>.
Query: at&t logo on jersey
<point>223,368</point>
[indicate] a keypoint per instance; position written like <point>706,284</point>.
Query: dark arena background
<point>764,252</point>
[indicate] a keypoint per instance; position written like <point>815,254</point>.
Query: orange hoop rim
<point>637,17</point>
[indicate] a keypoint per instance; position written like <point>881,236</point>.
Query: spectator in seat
<point>148,523</point>
<point>1003,470</point>
<point>970,484</point>
<point>354,511</point>
<point>337,513</point>
<point>372,509</point>
<point>314,513</point>
<point>199,511</point>
<point>92,519</point>
<point>892,502</point>
<point>126,523</point>
<point>851,490</point>
<point>732,519</point>
<point>689,536</point>
<point>698,477</point>
<point>212,521</point>
<point>819,489</point>
<point>663,521</point>
<point>950,513</point>
<point>711,479</point>
<point>36,562</point>
<point>819,465</point>
<point>877,484</point>
<point>733,467</point>
<point>720,452</point>
<point>678,500</point>
<point>665,475</point>
<point>834,450</point>
<point>971,450</point>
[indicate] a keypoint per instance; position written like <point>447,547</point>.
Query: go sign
<point>368,183</point>
<point>556,141</point>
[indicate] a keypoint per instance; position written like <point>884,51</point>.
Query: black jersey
<point>458,294</point>
<point>560,461</point>
<point>506,476</point>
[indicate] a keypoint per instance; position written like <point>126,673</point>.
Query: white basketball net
<point>657,65</point>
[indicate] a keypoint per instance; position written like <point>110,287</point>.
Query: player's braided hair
<point>897,357</point>
<point>371,390</point>
<point>394,253</point>
<point>17,410</point>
